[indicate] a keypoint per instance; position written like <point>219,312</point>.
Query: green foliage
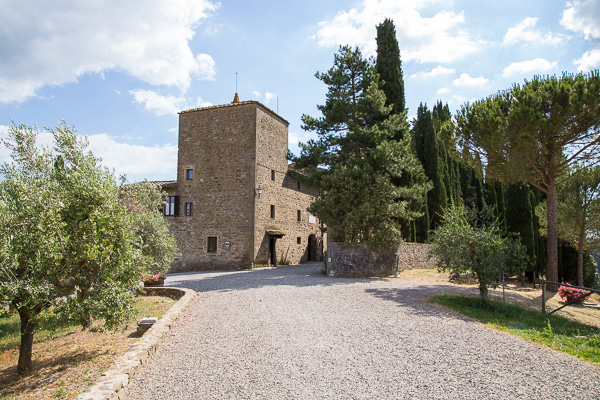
<point>537,131</point>
<point>578,212</point>
<point>360,197</point>
<point>460,246</point>
<point>522,220</point>
<point>428,152</point>
<point>554,331</point>
<point>65,241</point>
<point>158,247</point>
<point>389,66</point>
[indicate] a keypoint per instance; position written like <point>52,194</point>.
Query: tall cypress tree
<point>427,149</point>
<point>520,218</point>
<point>389,66</point>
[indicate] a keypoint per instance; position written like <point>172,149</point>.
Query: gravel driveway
<point>292,333</point>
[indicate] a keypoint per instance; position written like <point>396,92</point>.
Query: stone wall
<point>283,192</point>
<point>218,144</point>
<point>358,261</point>
<point>234,150</point>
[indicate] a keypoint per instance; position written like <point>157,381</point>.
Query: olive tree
<point>65,241</point>
<point>460,246</point>
<point>158,247</point>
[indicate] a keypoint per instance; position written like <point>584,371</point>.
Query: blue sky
<point>120,71</point>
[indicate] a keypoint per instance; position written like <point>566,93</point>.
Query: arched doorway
<point>312,248</point>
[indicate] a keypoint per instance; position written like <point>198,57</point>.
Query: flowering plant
<point>568,293</point>
<point>155,278</point>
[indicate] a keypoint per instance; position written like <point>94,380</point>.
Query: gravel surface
<point>292,333</point>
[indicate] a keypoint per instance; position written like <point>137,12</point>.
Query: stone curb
<point>107,387</point>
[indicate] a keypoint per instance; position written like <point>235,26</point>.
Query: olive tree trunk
<point>25,364</point>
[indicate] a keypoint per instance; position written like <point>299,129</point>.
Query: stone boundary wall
<point>107,387</point>
<point>358,261</point>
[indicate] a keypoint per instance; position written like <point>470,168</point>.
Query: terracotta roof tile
<point>237,105</point>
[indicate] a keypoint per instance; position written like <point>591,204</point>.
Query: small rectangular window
<point>189,174</point>
<point>299,240</point>
<point>189,209</point>
<point>272,174</point>
<point>272,211</point>
<point>171,207</point>
<point>299,216</point>
<point>211,244</point>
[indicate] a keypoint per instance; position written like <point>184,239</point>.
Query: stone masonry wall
<point>280,190</point>
<point>218,144</point>
<point>233,150</point>
<point>358,261</point>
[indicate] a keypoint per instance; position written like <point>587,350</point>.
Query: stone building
<point>235,204</point>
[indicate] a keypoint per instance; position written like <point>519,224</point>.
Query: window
<point>272,174</point>
<point>171,207</point>
<point>299,240</point>
<point>189,174</point>
<point>211,244</point>
<point>189,209</point>
<point>272,211</point>
<point>299,216</point>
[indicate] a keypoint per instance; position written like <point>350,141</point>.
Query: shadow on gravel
<point>414,300</point>
<point>303,275</point>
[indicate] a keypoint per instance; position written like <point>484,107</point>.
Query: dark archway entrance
<point>312,248</point>
<point>273,251</point>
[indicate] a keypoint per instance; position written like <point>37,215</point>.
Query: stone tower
<point>234,203</point>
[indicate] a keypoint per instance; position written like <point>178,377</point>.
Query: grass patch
<point>66,359</point>
<point>554,331</point>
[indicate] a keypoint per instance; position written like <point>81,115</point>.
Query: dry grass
<point>67,362</point>
<point>524,295</point>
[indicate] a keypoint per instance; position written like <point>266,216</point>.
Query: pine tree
<point>359,198</point>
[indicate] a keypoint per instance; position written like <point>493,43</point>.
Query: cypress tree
<point>389,66</point>
<point>520,218</point>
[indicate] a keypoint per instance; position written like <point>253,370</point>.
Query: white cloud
<point>437,71</point>
<point>589,60</point>
<point>4,153</point>
<point>442,91</point>
<point>469,81</point>
<point>135,160</point>
<point>296,137</point>
<point>435,39</point>
<point>51,44</point>
<point>524,32</point>
<point>583,16</point>
<point>265,98</point>
<point>537,66</point>
<point>165,105</point>
<point>138,162</point>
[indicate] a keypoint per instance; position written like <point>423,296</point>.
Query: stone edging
<point>123,368</point>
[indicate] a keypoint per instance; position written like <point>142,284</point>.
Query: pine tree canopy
<point>362,158</point>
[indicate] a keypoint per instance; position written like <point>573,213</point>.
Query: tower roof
<point>241,103</point>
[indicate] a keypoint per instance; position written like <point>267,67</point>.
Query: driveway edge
<point>114,379</point>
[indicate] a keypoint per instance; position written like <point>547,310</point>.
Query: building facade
<point>235,204</point>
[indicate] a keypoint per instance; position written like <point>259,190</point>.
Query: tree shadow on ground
<point>45,372</point>
<point>303,275</point>
<point>415,301</point>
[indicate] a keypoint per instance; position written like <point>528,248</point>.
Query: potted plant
<point>157,280</point>
<point>568,293</point>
